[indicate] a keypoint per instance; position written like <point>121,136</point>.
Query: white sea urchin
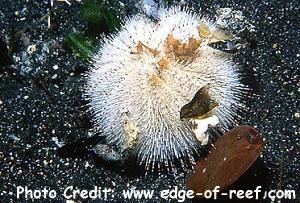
<point>144,74</point>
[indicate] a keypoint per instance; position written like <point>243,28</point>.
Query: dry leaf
<point>232,155</point>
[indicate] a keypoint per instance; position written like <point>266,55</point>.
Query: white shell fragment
<point>200,126</point>
<point>131,132</point>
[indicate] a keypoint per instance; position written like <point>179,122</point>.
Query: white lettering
<point>20,190</point>
<point>35,194</point>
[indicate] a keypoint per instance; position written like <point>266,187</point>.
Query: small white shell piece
<point>200,126</point>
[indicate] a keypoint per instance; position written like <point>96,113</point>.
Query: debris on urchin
<point>146,73</point>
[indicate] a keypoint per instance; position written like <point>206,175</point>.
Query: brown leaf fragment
<point>200,105</point>
<point>232,155</point>
<point>154,79</point>
<point>182,51</point>
<point>171,44</point>
<point>140,49</point>
<point>162,64</point>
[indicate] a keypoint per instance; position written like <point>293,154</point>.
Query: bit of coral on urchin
<point>144,74</point>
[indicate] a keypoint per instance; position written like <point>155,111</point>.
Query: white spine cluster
<point>128,84</point>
